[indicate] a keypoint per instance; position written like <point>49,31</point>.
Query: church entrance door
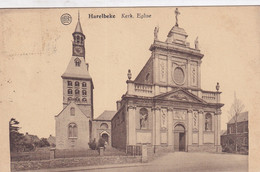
<point>179,138</point>
<point>105,137</point>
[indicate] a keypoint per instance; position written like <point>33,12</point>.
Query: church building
<point>73,123</point>
<point>165,107</point>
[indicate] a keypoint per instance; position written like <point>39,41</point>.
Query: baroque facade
<point>164,106</point>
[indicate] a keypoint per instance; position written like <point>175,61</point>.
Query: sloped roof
<point>31,138</point>
<point>77,71</point>
<point>240,118</point>
<point>51,139</point>
<point>78,27</point>
<point>72,103</point>
<point>181,94</point>
<point>106,115</point>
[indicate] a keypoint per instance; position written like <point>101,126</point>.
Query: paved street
<point>190,162</point>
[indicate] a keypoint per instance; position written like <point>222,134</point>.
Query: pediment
<point>180,95</point>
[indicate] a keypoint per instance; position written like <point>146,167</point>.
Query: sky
<point>35,49</point>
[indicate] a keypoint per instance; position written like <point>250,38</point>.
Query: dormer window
<point>77,62</point>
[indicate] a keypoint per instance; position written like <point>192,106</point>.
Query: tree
<point>236,108</point>
<point>16,138</point>
<point>43,143</point>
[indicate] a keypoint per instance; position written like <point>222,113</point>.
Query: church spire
<point>78,27</point>
<point>79,40</point>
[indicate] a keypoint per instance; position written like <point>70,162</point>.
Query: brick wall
<point>118,125</point>
<point>96,130</point>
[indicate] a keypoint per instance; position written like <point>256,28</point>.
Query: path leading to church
<point>190,162</point>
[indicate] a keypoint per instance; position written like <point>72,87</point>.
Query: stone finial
<point>129,74</point>
<point>196,42</point>
<point>217,87</point>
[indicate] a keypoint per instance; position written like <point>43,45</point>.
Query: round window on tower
<point>178,76</point>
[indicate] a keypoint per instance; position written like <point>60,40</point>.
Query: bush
<point>101,142</point>
<point>92,144</point>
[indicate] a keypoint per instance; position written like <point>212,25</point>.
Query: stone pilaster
<point>201,124</point>
<point>217,129</point>
<point>131,125</point>
<point>190,129</point>
<point>188,73</point>
<point>153,133</point>
<point>130,87</point>
<point>170,123</point>
<point>157,126</point>
<point>199,75</point>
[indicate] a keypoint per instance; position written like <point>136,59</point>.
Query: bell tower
<point>78,45</point>
<point>77,82</point>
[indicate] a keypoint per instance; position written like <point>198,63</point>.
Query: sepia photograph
<point>132,89</point>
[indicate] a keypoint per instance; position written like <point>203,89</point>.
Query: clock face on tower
<point>78,51</point>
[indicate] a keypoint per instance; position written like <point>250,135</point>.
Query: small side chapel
<point>164,106</point>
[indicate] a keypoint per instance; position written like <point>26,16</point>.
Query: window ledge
<point>73,137</point>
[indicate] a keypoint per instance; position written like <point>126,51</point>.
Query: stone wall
<point>62,122</point>
<point>97,131</point>
<point>73,162</point>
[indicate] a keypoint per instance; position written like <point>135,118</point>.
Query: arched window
<point>77,62</point>
<point>69,91</point>
<point>84,84</point>
<point>81,40</point>
<point>78,39</point>
<point>77,84</point>
<point>69,83</point>
<point>84,100</point>
<point>143,118</point>
<point>208,122</point>
<point>84,92</point>
<point>77,92</point>
<point>69,99</point>
<point>72,111</point>
<point>72,130</point>
<point>104,126</point>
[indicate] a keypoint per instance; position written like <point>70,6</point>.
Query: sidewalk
<point>88,167</point>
